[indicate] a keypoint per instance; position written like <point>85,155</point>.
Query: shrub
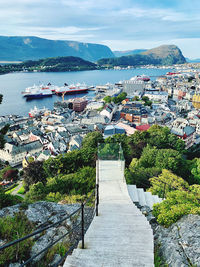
<point>177,204</point>
<point>12,228</point>
<point>8,200</point>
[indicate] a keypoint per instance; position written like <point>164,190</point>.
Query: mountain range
<point>162,55</point>
<point>19,48</point>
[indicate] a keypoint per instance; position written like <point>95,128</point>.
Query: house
<point>113,129</point>
<point>144,127</point>
<point>75,142</point>
<point>15,152</point>
<point>108,111</point>
<point>182,129</point>
<point>157,96</point>
<point>128,129</point>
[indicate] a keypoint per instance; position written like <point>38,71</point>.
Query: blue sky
<point>120,24</point>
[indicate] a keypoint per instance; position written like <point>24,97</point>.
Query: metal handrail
<point>81,224</point>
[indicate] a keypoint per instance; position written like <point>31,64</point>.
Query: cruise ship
<point>72,89</point>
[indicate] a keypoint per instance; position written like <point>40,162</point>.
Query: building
<point>79,104</point>
<point>14,152</point>
<point>133,87</point>
<point>157,96</point>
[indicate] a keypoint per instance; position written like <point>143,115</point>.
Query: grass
<point>21,190</point>
<point>10,190</point>
<point>158,260</point>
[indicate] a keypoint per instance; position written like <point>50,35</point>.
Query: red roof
<point>144,127</point>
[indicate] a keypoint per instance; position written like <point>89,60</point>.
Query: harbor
<point>14,83</point>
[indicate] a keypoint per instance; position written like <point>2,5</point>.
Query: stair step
<point>149,199</point>
<point>132,190</point>
<point>141,197</point>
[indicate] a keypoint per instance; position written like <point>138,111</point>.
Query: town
<point>171,100</point>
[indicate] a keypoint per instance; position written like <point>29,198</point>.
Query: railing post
<point>164,191</point>
<point>97,200</point>
<point>82,224</point>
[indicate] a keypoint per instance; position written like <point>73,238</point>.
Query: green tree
<point>167,181</point>
<point>36,192</point>
<point>107,99</point>
<point>92,139</point>
<point>34,173</point>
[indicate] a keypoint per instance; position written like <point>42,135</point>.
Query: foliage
<point>11,174</point>
<point>107,99</point>
<point>11,189</point>
<point>166,182</point>
<point>60,248</point>
<point>12,228</point>
<point>80,182</point>
<point>5,169</point>
<point>36,192</point>
<point>92,139</point>
<point>158,259</point>
<point>161,137</point>
<point>54,197</point>
<point>7,199</point>
<point>196,170</point>
<point>118,99</point>
<point>177,204</point>
<point>146,100</point>
<point>34,173</point>
<point>21,190</point>
<point>55,64</point>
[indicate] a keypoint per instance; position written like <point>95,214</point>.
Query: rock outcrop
<point>180,243</point>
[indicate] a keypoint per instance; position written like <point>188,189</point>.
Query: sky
<point>120,24</point>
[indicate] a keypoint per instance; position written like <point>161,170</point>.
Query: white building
<point>15,153</point>
<point>157,96</point>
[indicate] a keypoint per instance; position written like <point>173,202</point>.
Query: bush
<point>12,228</point>
<point>166,182</point>
<point>177,204</point>
<point>8,200</point>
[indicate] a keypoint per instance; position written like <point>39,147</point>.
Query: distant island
<point>162,55</point>
<point>57,64</point>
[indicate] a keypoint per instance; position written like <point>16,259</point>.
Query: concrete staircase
<point>121,235</point>
<point>141,198</point>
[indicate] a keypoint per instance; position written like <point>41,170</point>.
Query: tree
<point>34,173</point>
<point>92,139</point>
<point>36,192</point>
<point>136,98</point>
<point>167,181</point>
<point>107,99</point>
<point>11,174</point>
<point>196,170</point>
